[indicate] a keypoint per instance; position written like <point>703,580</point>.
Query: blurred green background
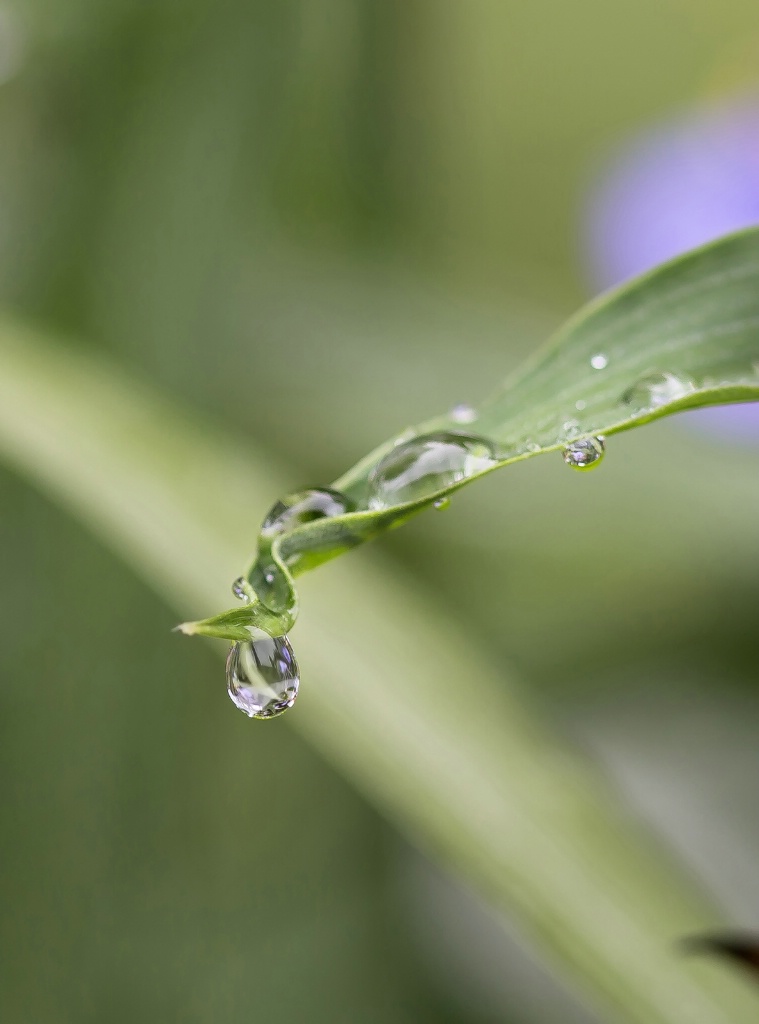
<point>290,215</point>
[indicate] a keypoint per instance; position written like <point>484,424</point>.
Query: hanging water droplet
<point>240,589</point>
<point>262,675</point>
<point>441,504</point>
<point>599,361</point>
<point>297,509</point>
<point>463,413</point>
<point>584,454</point>
<point>432,462</point>
<point>657,390</point>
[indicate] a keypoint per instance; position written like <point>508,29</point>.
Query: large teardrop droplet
<point>262,675</point>
<point>428,463</point>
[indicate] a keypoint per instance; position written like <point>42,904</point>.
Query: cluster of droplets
<point>262,672</point>
<point>650,392</point>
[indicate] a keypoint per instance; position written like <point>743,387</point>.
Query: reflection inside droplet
<point>240,589</point>
<point>430,463</point>
<point>658,389</point>
<point>584,454</point>
<point>304,507</point>
<point>262,675</point>
<point>463,413</point>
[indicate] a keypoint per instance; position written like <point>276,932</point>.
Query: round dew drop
<point>599,361</point>
<point>585,454</point>
<point>262,675</point>
<point>429,463</point>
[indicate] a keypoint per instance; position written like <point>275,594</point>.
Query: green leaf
<point>395,693</point>
<point>683,336</point>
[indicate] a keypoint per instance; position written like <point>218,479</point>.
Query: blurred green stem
<point>395,694</point>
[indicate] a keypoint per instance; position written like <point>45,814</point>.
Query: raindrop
<point>240,589</point>
<point>658,389</point>
<point>584,454</point>
<point>441,503</point>
<point>430,463</point>
<point>579,405</point>
<point>262,675</point>
<point>599,361</point>
<point>463,413</point>
<point>304,507</point>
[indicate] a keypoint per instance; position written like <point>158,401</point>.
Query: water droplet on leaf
<point>429,463</point>
<point>463,413</point>
<point>304,507</point>
<point>585,454</point>
<point>579,405</point>
<point>570,429</point>
<point>240,589</point>
<point>442,503</point>
<point>262,675</point>
<point>599,361</point>
<point>656,390</point>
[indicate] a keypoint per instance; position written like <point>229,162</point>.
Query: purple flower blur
<point>673,188</point>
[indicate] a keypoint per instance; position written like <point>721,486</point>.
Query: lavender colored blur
<point>669,189</point>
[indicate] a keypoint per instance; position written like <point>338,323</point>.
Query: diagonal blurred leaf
<point>403,701</point>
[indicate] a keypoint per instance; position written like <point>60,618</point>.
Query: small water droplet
<point>599,361</point>
<point>584,454</point>
<point>240,589</point>
<point>429,463</point>
<point>579,405</point>
<point>657,389</point>
<point>570,429</point>
<point>441,504</point>
<point>523,447</point>
<point>262,675</point>
<point>297,509</point>
<point>463,413</point>
<point>270,575</point>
